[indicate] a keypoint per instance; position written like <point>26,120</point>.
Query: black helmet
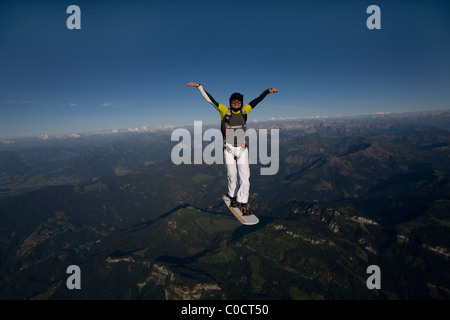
<point>237,96</point>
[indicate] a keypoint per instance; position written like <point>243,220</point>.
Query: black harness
<point>234,121</point>
<point>238,123</point>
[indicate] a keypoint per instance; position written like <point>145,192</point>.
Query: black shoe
<point>244,210</point>
<point>233,203</point>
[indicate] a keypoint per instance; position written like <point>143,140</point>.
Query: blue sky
<point>128,64</point>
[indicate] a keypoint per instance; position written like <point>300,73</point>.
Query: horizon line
<point>161,128</point>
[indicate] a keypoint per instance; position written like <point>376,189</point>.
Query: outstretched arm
<point>205,94</point>
<point>254,102</point>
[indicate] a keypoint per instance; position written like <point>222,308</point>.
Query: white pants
<point>238,172</point>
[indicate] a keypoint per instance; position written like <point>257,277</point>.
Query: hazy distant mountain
<point>349,193</point>
<point>71,161</point>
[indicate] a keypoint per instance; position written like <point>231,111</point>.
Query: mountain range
<point>350,193</point>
